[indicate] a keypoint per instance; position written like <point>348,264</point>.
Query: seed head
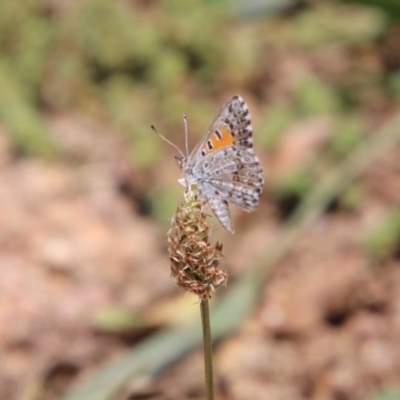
<point>194,261</point>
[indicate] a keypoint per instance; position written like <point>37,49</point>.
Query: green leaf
<point>387,394</point>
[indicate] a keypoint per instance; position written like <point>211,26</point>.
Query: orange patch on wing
<point>226,139</point>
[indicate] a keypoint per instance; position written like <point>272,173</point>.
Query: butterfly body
<point>224,166</point>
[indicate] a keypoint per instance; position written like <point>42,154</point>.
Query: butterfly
<point>223,166</point>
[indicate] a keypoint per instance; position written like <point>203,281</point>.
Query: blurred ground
<point>87,190</point>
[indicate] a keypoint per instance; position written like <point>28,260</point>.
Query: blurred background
<point>87,191</point>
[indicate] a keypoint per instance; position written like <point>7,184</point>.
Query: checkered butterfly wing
<point>224,163</point>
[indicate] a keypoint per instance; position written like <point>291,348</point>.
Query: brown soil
<point>326,327</point>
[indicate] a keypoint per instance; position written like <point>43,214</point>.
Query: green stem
<point>208,365</point>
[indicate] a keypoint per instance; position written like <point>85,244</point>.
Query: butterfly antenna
<point>186,135</point>
<point>168,141</point>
